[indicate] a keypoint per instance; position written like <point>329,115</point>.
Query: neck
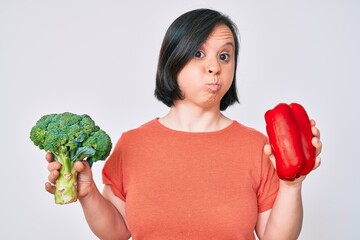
<point>186,118</point>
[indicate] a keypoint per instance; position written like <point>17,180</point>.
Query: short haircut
<point>181,41</point>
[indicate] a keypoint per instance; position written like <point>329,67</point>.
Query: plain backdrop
<point>100,57</point>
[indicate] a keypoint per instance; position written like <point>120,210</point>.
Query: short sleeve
<point>112,173</point>
<point>269,185</point>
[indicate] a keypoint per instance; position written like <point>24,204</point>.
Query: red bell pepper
<point>289,131</point>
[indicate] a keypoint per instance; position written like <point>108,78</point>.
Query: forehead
<point>221,32</point>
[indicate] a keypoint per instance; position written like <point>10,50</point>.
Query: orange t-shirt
<point>185,185</point>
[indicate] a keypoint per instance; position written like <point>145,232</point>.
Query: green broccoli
<point>70,138</point>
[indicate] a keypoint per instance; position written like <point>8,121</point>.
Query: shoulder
<point>148,126</point>
<point>135,136</point>
<point>147,129</point>
<point>249,132</point>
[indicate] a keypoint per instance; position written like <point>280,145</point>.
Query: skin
<point>203,81</point>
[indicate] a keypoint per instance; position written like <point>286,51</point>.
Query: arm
<point>104,213</point>
<point>107,219</point>
<point>284,220</point>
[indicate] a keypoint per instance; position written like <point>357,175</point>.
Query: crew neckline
<point>225,129</point>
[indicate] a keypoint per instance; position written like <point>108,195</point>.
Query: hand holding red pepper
<point>294,141</point>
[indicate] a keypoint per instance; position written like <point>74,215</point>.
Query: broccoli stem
<point>66,184</point>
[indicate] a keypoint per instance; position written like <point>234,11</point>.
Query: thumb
<point>85,174</point>
<point>269,153</point>
<point>82,166</point>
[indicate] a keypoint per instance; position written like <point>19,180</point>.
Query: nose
<point>213,67</point>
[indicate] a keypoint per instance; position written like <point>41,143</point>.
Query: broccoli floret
<point>70,138</point>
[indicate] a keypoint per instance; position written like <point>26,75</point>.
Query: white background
<point>100,57</point>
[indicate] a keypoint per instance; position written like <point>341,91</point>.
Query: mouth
<point>214,84</point>
<point>213,87</point>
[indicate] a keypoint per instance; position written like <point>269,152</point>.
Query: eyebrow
<point>229,44</point>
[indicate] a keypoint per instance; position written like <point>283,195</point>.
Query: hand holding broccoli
<point>70,138</point>
<point>84,177</point>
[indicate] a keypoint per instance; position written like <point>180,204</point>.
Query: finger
<point>317,163</point>
<point>53,176</point>
<point>49,157</point>
<point>315,131</point>
<point>312,122</point>
<point>267,149</point>
<point>50,188</point>
<point>268,152</point>
<point>273,160</point>
<point>316,142</point>
<point>54,166</point>
<point>81,166</point>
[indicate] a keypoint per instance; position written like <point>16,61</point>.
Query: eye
<point>224,57</point>
<point>199,54</point>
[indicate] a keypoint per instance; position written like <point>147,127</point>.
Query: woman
<point>193,173</point>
